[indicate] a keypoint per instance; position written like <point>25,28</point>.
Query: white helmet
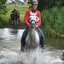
<point>35,2</point>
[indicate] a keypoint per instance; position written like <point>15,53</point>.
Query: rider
<point>34,10</point>
<point>15,15</point>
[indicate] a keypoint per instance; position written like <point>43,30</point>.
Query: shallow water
<point>10,47</point>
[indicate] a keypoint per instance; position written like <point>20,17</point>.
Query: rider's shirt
<point>28,14</point>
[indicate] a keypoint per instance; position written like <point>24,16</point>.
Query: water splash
<point>10,44</point>
<point>31,57</point>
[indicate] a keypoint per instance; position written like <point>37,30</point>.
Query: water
<point>10,47</point>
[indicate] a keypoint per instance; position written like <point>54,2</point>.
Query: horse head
<point>33,20</point>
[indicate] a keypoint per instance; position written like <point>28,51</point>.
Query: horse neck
<point>32,32</point>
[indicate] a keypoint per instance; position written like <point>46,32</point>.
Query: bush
<point>49,4</point>
<point>54,20</point>
<point>2,22</point>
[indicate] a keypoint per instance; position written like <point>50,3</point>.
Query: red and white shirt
<point>27,15</point>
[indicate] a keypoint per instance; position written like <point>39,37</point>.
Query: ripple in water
<point>31,57</point>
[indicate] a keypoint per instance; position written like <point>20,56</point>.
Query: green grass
<point>54,21</point>
<point>57,43</point>
<point>2,21</point>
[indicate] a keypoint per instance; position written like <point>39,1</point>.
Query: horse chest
<point>32,40</point>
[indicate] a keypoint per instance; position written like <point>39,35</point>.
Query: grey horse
<point>32,39</point>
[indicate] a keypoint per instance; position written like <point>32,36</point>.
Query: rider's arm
<point>39,21</point>
<point>26,18</point>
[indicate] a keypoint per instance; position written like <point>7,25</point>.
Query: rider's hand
<point>28,24</point>
<point>36,26</point>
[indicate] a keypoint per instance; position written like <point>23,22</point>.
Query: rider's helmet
<point>35,2</point>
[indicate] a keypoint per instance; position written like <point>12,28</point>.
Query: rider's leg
<point>41,35</point>
<point>23,38</point>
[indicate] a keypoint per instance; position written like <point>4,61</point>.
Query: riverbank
<point>56,43</point>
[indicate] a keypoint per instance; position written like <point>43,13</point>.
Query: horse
<point>32,40</point>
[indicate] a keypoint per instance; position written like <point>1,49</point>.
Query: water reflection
<point>10,46</point>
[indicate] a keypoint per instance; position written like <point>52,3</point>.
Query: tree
<point>2,6</point>
<point>49,4</point>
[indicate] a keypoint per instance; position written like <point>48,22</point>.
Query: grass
<point>2,21</point>
<point>54,21</point>
<point>57,43</point>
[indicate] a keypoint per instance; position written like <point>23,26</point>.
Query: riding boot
<point>23,38</point>
<point>42,42</point>
<point>41,36</point>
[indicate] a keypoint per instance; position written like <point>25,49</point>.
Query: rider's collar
<point>33,11</point>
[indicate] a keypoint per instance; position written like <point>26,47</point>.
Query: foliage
<point>2,12</point>
<point>53,20</point>
<point>2,22</point>
<point>2,6</point>
<point>49,4</point>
